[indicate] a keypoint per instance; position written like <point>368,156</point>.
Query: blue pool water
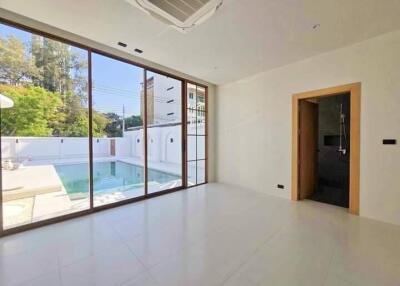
<point>107,177</point>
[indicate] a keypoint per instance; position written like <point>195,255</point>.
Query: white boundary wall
<point>164,146</point>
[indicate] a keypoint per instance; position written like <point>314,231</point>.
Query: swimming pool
<point>107,177</point>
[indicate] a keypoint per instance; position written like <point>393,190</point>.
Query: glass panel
<point>201,122</point>
<point>164,133</point>
<point>118,145</point>
<point>192,173</point>
<point>201,171</point>
<point>196,130</point>
<point>191,121</point>
<point>201,98</point>
<point>191,96</point>
<point>201,147</point>
<point>191,148</point>
<point>44,127</point>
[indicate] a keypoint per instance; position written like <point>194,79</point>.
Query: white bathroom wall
<point>253,120</point>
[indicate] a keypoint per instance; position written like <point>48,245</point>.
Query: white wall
<point>101,147</point>
<point>43,148</point>
<point>123,147</point>
<point>253,118</point>
<point>161,148</point>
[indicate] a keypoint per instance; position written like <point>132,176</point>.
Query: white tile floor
<point>210,235</point>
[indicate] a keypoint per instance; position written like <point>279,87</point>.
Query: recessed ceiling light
<point>139,51</point>
<point>122,44</point>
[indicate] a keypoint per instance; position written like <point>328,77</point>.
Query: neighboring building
<point>196,106</point>
<point>164,101</point>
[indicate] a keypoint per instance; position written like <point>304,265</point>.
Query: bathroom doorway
<point>325,163</point>
<point>331,148</point>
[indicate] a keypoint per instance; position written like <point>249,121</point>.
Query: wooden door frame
<point>355,109</point>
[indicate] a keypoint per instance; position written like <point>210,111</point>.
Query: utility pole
<point>123,120</point>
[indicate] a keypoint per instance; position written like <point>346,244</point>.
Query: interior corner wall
<point>253,122</point>
<point>211,133</point>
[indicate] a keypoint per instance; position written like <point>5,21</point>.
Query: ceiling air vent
<point>180,14</point>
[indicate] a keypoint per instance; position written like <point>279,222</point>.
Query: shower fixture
<point>342,132</point>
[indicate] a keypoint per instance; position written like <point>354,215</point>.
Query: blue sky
<point>116,84</point>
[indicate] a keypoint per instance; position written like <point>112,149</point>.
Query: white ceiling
<point>243,38</point>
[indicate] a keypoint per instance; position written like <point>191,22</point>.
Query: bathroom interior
<point>333,153</point>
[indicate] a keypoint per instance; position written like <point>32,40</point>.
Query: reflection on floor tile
<point>209,235</point>
<point>143,279</point>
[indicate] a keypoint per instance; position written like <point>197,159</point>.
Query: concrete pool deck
<point>32,193</point>
<point>26,182</point>
<point>39,193</point>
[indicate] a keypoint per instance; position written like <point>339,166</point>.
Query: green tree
<point>75,121</point>
<point>33,109</point>
<point>62,67</point>
<point>133,121</point>
<point>99,123</point>
<point>57,106</point>
<point>114,125</point>
<point>16,67</point>
<point>38,112</point>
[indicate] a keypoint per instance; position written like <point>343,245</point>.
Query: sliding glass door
<point>196,134</point>
<point>117,127</point>
<point>81,129</point>
<point>44,128</point>
<point>164,132</point>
